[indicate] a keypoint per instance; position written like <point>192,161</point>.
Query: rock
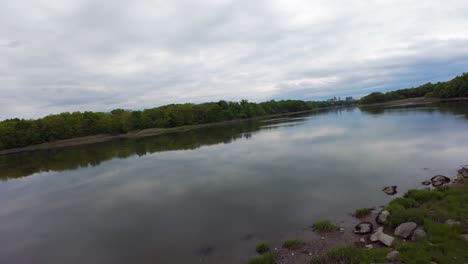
<point>440,180</point>
<point>341,229</point>
<point>451,222</point>
<point>386,240</point>
<point>363,228</point>
<point>465,236</point>
<point>405,230</point>
<point>369,246</point>
<point>418,234</point>
<point>390,190</point>
<point>392,255</point>
<point>463,172</point>
<point>382,217</point>
<point>380,236</point>
<point>426,183</point>
<point>376,235</point>
<point>362,240</point>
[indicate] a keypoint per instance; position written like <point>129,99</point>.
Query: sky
<point>91,55</point>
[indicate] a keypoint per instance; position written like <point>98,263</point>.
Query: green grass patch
<point>293,244</point>
<point>262,248</point>
<point>362,212</point>
<point>324,226</point>
<point>353,255</point>
<point>267,258</point>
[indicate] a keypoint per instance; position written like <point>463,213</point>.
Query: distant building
<point>332,99</point>
<point>349,98</point>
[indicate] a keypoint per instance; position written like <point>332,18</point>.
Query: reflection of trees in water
<point>454,107</point>
<point>60,159</point>
<point>24,164</point>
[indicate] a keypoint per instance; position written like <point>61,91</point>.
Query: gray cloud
<point>71,55</point>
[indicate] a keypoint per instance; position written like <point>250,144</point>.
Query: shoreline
<point>345,244</point>
<point>149,132</point>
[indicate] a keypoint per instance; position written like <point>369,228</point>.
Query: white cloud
<point>87,55</point>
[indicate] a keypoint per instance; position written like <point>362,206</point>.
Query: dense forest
<point>457,87</point>
<point>20,132</point>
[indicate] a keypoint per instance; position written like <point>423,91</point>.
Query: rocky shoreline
<point>384,229</point>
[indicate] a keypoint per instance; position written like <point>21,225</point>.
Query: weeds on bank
<point>267,258</point>
<point>293,244</point>
<point>362,212</point>
<point>324,226</point>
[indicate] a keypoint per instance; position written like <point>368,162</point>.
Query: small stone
<point>393,255</point>
<point>465,236</point>
<point>341,229</point>
<point>292,253</point>
<point>426,183</point>
<point>363,228</point>
<point>369,246</point>
<point>390,190</point>
<point>382,217</point>
<point>405,230</point>
<point>418,234</point>
<point>323,237</point>
<point>362,240</point>
<point>451,222</point>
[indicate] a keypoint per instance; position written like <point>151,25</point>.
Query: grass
<point>430,209</point>
<point>262,248</point>
<point>324,226</point>
<point>293,244</point>
<point>362,212</point>
<point>353,255</point>
<point>267,258</point>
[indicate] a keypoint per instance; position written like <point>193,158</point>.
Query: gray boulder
<point>426,183</point>
<point>390,190</point>
<point>440,180</point>
<point>463,172</point>
<point>405,230</point>
<point>363,228</point>
<point>381,237</point>
<point>418,234</point>
<point>376,235</point>
<point>382,217</point>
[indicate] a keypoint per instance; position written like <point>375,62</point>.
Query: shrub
<point>293,244</point>
<point>262,248</point>
<point>324,226</point>
<point>362,212</point>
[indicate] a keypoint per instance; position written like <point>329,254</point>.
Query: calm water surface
<point>208,195</point>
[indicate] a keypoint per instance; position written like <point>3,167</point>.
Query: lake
<point>208,195</point>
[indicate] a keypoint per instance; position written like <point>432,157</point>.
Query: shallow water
<point>207,195</point>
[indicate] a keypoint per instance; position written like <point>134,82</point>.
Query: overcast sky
<point>77,55</point>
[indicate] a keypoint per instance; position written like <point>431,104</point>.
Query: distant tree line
<point>21,132</point>
<point>457,87</point>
